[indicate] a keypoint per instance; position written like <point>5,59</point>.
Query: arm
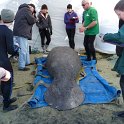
<point>77,19</point>
<point>66,20</point>
<point>9,42</point>
<point>116,37</point>
<point>30,18</point>
<point>50,25</point>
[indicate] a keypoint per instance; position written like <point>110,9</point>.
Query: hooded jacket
<point>44,22</point>
<point>6,47</point>
<point>24,21</point>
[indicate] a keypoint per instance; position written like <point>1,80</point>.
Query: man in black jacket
<point>6,47</point>
<point>24,20</point>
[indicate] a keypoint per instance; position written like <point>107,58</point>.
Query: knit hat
<point>32,6</point>
<point>7,15</point>
<point>44,6</point>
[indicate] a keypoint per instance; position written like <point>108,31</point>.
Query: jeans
<point>89,46</point>
<point>71,34</point>
<point>24,58</point>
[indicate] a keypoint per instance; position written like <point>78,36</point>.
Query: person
<point>70,19</point>
<point>118,37</point>
<point>45,27</point>
<point>90,27</point>
<point>6,47</point>
<point>22,31</point>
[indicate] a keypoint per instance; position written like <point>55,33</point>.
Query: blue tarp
<point>96,88</point>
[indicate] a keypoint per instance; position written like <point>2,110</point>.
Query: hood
<point>23,5</point>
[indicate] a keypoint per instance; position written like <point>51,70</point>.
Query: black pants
<point>122,85</point>
<point>45,33</point>
<point>71,34</point>
<point>6,89</point>
<point>89,46</point>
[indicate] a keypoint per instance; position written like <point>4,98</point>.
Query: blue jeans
<point>24,58</point>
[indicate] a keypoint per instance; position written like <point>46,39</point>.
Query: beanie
<point>7,15</point>
<point>44,6</point>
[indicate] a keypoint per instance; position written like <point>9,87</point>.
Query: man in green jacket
<point>90,27</point>
<point>118,38</point>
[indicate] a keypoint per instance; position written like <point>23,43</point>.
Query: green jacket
<point>117,37</point>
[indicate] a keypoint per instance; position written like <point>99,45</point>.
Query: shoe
<point>88,59</point>
<point>30,64</point>
<point>24,69</point>
<point>120,114</point>
<point>14,99</point>
<point>10,108</point>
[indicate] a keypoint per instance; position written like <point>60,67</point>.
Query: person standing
<point>118,38</point>
<point>6,47</point>
<point>45,27</point>
<point>70,19</point>
<point>22,31</point>
<point>90,27</point>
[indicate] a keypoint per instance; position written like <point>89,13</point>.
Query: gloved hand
<point>51,32</point>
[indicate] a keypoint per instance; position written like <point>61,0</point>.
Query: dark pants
<point>45,33</point>
<point>71,34</point>
<point>122,85</point>
<point>89,46</point>
<point>6,89</point>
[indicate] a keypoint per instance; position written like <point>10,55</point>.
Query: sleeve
<point>50,23</point>
<point>115,37</point>
<point>77,19</point>
<point>38,23</point>
<point>9,42</point>
<point>93,15</point>
<point>30,18</point>
<point>66,21</point>
<point>83,18</point>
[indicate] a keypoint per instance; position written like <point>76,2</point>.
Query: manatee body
<point>63,65</point>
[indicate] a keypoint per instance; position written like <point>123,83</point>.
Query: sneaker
<point>30,64</point>
<point>14,99</point>
<point>120,114</point>
<point>24,69</point>
<point>10,108</point>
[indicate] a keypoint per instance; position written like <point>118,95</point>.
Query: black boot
<point>120,114</point>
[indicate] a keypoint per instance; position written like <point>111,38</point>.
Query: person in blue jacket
<point>6,47</point>
<point>118,38</point>
<point>70,19</point>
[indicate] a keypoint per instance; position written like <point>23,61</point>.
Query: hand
<point>7,76</point>
<point>82,29</point>
<point>101,37</point>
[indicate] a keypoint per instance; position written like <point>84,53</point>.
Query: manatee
<point>63,65</point>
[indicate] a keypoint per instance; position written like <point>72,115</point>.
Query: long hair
<point>119,5</point>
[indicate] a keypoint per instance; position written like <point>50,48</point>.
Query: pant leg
<point>48,37</point>
<point>86,45</point>
<point>122,85</point>
<point>91,46</point>
<point>22,51</point>
<point>68,31</point>
<point>72,43</point>
<point>27,54</point>
<point>42,35</point>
